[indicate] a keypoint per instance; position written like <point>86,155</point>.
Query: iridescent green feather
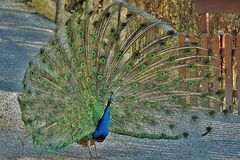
<point>65,90</point>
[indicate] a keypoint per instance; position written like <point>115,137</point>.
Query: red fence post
<point>238,72</point>
<point>205,84</point>
<point>217,72</point>
<point>228,72</point>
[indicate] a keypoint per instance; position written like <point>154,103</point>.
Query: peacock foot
<point>97,155</point>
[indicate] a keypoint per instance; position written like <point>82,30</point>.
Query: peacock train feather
<point>120,50</point>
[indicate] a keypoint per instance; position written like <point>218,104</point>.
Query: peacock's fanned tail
<point>119,49</point>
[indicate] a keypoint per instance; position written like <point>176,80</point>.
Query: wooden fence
<point>227,48</point>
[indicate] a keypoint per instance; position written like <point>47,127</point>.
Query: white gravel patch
<point>10,114</point>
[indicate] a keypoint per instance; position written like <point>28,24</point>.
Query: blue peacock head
<point>110,100</point>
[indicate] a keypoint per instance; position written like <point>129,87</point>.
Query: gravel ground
<point>20,44</point>
<point>15,145</point>
<point>223,143</point>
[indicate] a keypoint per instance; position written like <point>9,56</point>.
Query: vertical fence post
<point>193,100</point>
<point>182,71</point>
<point>204,23</point>
<point>204,70</point>
<point>238,72</point>
<point>228,72</point>
<point>217,72</point>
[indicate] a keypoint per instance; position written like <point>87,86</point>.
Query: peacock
<point>116,70</point>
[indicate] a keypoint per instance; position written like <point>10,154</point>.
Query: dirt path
<point>22,34</point>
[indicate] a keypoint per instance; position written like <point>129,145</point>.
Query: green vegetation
<point>172,126</point>
<point>208,130</point>
<point>212,113</point>
<point>185,134</point>
<point>182,15</point>
<point>225,111</point>
<point>194,118</point>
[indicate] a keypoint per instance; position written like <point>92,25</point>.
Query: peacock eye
<point>129,15</point>
<point>103,61</point>
<point>162,88</point>
<point>29,92</point>
<point>80,75</point>
<point>90,13</point>
<point>124,24</point>
<point>88,80</point>
<point>190,84</point>
<point>95,23</point>
<point>108,14</point>
<point>100,77</point>
<point>206,62</point>
<point>112,30</point>
<point>129,68</point>
<point>174,97</point>
<point>67,77</point>
<point>116,37</point>
<point>94,69</point>
<point>83,64</point>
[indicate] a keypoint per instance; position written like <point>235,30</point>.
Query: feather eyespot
<point>107,14</point>
<point>94,69</point>
<point>93,88</point>
<point>112,30</point>
<point>83,64</point>
<point>129,15</point>
<point>124,24</point>
<point>100,77</point>
<point>89,80</point>
<point>103,61</point>
<point>95,23</point>
<point>80,75</point>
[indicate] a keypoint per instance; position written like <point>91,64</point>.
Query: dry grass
<point>46,8</point>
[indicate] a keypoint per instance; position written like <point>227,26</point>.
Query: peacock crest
<point>121,50</point>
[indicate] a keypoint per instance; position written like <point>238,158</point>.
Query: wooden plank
<point>217,6</point>
<point>192,74</point>
<point>238,72</point>
<point>204,23</point>
<point>204,70</point>
<point>182,71</point>
<point>229,72</point>
<point>217,73</point>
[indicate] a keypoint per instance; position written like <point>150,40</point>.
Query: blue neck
<point>103,125</point>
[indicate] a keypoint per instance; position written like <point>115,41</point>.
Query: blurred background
<point>181,14</point>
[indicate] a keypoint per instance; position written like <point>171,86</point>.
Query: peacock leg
<point>97,154</point>
<point>89,148</point>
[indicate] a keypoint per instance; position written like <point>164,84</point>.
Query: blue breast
<point>102,129</point>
